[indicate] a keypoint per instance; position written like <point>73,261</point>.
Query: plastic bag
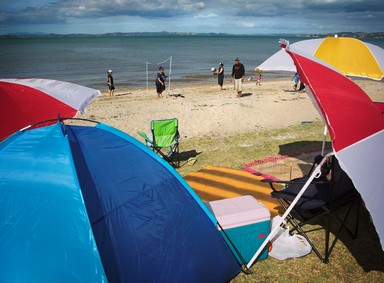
<point>285,245</point>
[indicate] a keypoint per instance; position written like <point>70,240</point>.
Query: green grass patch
<point>234,151</point>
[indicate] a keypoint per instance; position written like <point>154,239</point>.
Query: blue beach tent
<point>92,204</point>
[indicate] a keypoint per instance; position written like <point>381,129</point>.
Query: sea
<point>135,59</point>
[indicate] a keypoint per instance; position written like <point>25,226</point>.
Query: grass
<point>234,151</point>
<point>359,260</point>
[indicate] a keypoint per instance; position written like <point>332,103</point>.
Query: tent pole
<point>170,72</point>
<point>315,174</point>
<point>146,70</point>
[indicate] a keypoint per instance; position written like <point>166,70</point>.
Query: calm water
<point>86,60</point>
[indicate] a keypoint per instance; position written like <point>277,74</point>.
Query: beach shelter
<point>350,56</point>
<point>90,203</point>
<point>27,101</point>
<point>356,127</point>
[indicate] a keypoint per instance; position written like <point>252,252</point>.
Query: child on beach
<point>258,80</point>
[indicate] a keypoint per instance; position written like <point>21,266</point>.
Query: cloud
<point>233,15</point>
<point>206,16</point>
<point>60,10</point>
<point>248,24</point>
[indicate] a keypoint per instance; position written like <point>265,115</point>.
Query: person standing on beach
<point>238,72</point>
<point>160,82</point>
<point>111,86</point>
<point>220,75</point>
<point>296,79</point>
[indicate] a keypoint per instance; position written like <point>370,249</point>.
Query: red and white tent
<point>356,127</point>
<point>27,101</point>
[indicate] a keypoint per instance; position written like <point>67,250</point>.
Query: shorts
<point>160,87</point>
<point>220,80</point>
<point>111,87</point>
<point>238,85</point>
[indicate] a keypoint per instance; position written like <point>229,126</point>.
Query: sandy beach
<point>205,110</point>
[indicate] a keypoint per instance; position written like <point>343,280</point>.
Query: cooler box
<point>246,222</point>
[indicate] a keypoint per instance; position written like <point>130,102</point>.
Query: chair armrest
<point>278,181</point>
<point>272,182</point>
<point>291,182</point>
<point>286,183</point>
<point>145,137</point>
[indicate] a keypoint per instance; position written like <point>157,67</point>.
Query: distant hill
<point>347,34</point>
<point>164,33</point>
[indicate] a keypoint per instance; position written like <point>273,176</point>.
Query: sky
<point>217,16</point>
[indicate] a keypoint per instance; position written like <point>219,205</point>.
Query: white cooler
<point>246,222</point>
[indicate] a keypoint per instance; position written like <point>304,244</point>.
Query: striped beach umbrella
<point>356,127</point>
<point>350,56</point>
<point>27,101</point>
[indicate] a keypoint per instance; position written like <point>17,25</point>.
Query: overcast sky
<point>219,16</point>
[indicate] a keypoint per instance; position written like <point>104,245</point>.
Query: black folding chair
<point>330,198</point>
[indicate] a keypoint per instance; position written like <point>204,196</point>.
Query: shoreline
<point>204,110</point>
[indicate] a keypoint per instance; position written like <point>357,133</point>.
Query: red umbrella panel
<point>27,101</point>
<point>356,127</point>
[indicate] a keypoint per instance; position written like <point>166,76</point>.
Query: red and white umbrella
<point>356,127</point>
<point>27,101</point>
<point>350,56</point>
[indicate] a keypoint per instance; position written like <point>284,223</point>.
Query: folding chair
<point>164,139</point>
<point>331,200</point>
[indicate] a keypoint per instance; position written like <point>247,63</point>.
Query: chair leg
<point>327,237</point>
<point>342,222</point>
<point>329,248</point>
<point>296,226</point>
<point>357,218</point>
<point>327,233</point>
<point>170,155</point>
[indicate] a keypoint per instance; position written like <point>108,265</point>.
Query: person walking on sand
<point>111,86</point>
<point>220,75</point>
<point>238,72</point>
<point>160,82</point>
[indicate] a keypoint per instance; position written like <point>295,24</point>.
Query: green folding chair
<point>164,139</point>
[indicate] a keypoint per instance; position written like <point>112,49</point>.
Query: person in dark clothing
<point>111,86</point>
<point>220,75</point>
<point>238,72</point>
<point>301,87</point>
<point>160,82</point>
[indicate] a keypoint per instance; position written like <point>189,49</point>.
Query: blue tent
<point>92,204</point>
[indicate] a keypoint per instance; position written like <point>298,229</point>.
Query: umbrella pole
<point>315,174</point>
<point>324,140</point>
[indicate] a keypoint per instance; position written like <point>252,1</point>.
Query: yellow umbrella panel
<point>351,57</point>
